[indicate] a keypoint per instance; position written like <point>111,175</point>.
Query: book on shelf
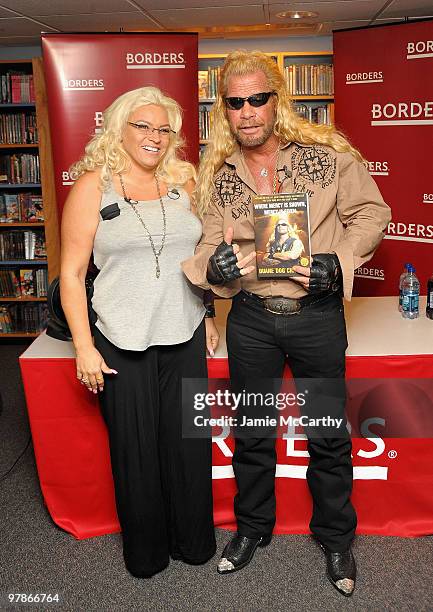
<point>204,123</point>
<point>310,79</point>
<point>16,88</point>
<point>19,168</point>
<point>10,208</point>
<point>27,282</point>
<point>18,128</point>
<point>23,282</point>
<point>10,284</point>
<point>203,91</point>
<point>21,207</point>
<point>208,82</point>
<point>316,114</point>
<point>282,234</point>
<point>22,244</point>
<point>24,318</point>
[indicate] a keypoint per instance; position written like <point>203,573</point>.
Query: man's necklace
<point>264,171</point>
<point>134,203</point>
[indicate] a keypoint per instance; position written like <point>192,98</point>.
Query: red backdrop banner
<point>86,72</point>
<point>384,104</point>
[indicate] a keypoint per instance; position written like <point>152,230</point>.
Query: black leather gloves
<point>222,266</point>
<point>326,273</point>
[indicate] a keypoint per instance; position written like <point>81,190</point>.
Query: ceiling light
<point>296,14</point>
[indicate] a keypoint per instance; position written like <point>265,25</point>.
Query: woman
<point>131,205</point>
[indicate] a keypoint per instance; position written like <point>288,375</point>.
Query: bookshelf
<point>309,76</point>
<point>29,236</point>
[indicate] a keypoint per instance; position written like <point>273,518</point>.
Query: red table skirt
<point>393,486</point>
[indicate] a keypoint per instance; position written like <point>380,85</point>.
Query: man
<point>284,246</point>
<point>260,146</point>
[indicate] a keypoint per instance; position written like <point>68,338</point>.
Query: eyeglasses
<point>256,100</point>
<point>147,130</point>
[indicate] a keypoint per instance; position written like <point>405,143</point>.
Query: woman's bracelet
<point>210,311</point>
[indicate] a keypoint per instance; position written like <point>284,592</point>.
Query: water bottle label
<point>430,300</point>
<point>410,302</point>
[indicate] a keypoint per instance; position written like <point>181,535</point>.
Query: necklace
<point>133,203</point>
<point>264,171</point>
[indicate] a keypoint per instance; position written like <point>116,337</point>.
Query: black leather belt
<point>280,305</point>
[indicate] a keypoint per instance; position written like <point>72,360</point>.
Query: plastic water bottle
<point>429,309</point>
<point>400,285</point>
<point>410,288</point>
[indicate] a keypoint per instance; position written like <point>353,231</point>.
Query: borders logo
<point>147,61</point>
<point>427,198</point>
<point>99,120</point>
<point>419,50</point>
<point>410,232</point>
<point>370,273</point>
<point>360,472</point>
<point>67,178</point>
<point>402,113</point>
<point>357,78</point>
<point>83,85</point>
<point>378,168</point>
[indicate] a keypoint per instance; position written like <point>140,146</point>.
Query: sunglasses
<point>256,100</point>
<point>282,225</point>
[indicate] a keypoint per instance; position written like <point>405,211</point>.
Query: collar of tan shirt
<point>237,160</point>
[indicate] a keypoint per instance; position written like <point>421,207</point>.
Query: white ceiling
<point>22,21</point>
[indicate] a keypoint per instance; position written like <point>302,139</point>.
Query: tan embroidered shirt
<point>347,215</point>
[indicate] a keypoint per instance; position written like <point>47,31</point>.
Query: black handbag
<point>57,325</point>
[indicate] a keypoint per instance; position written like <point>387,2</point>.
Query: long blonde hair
<point>105,150</point>
<point>289,126</point>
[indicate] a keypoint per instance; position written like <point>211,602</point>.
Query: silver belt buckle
<point>282,306</point>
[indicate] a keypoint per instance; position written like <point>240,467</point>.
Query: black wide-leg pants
<point>163,482</point>
<point>314,343</point>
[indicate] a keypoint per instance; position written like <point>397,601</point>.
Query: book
<point>282,234</point>
<point>27,282</point>
<point>203,84</point>
<point>31,207</point>
<point>11,208</point>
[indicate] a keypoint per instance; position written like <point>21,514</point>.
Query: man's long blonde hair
<point>289,126</point>
<point>105,150</point>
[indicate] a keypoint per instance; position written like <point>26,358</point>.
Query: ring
<point>85,380</point>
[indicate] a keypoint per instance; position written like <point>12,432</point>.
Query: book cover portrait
<point>282,234</point>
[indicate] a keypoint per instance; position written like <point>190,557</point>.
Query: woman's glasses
<point>256,100</point>
<point>147,130</point>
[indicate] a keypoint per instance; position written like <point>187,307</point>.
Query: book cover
<point>282,234</point>
<point>27,282</point>
<point>203,84</point>
<point>39,246</point>
<point>31,208</point>
<point>12,208</point>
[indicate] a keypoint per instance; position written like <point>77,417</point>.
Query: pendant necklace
<point>133,203</point>
<point>264,171</point>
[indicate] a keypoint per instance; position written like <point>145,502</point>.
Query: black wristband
<point>210,311</point>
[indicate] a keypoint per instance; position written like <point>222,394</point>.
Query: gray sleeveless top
<point>135,309</point>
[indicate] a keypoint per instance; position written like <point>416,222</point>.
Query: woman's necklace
<point>133,203</point>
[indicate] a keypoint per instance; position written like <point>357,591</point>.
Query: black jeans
<point>162,481</point>
<point>314,343</point>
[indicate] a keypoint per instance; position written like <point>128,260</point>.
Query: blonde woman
<point>260,146</point>
<point>131,204</point>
